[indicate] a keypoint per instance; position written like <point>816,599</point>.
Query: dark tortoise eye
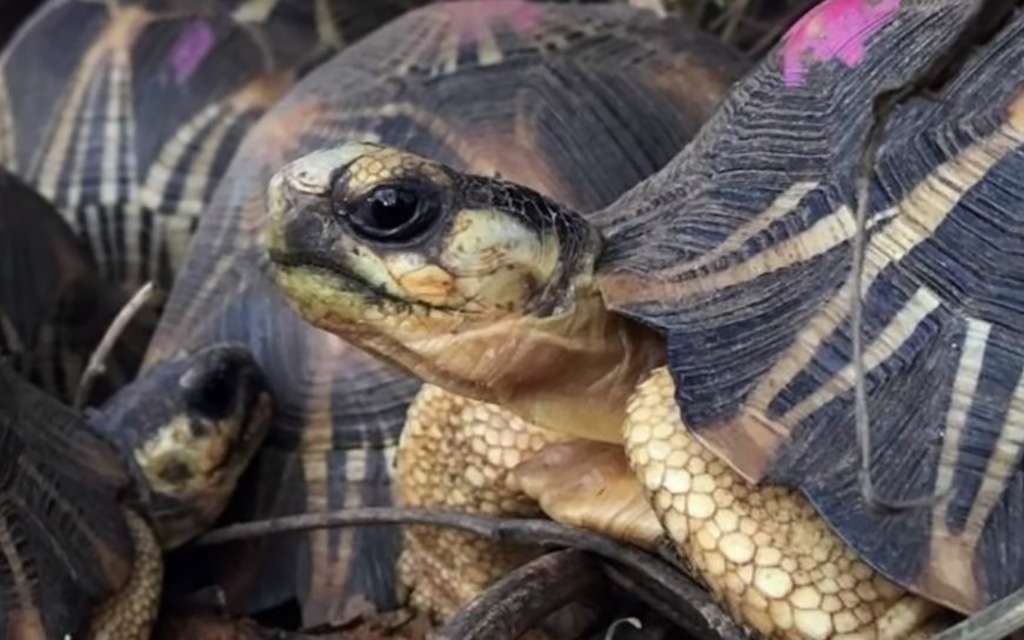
<point>212,393</point>
<point>393,213</point>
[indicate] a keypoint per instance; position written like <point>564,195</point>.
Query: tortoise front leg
<point>132,612</point>
<point>456,454</point>
<point>764,551</point>
<point>589,484</point>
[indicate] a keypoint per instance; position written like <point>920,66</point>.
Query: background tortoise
<point>497,87</point>
<point>54,307</point>
<point>128,125</point>
<point>732,267</point>
<point>87,504</point>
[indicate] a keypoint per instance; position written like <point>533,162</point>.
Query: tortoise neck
<point>577,379</point>
<point>571,372</point>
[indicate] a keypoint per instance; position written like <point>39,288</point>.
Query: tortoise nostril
<point>395,213</point>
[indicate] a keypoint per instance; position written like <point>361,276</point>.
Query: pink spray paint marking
<point>833,29</point>
<point>475,18</point>
<point>192,46</point>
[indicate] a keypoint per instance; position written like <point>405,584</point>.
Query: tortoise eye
<point>395,213</point>
<point>212,392</point>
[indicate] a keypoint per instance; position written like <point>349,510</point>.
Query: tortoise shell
<point>577,102</point>
<point>750,279</point>
<point>15,12</point>
<point>54,307</point>
<point>128,124</point>
<point>64,542</point>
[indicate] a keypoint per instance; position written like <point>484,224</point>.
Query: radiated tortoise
<point>703,321</point>
<point>505,87</point>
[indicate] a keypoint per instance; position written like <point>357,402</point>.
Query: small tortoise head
<point>412,259</point>
<point>473,283</point>
<point>189,428</point>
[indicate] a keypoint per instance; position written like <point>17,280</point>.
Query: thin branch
<point>98,360</point>
<point>523,597</point>
<point>668,582</point>
<point>996,621</point>
<point>699,616</point>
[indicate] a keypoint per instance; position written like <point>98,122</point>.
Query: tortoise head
<point>473,283</point>
<point>189,427</point>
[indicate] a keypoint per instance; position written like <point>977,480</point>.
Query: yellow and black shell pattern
<point>124,114</point>
<point>741,252</point>
<point>579,102</point>
<point>65,547</point>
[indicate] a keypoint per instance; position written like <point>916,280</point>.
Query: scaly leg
<point>456,454</point>
<point>132,612</point>
<point>764,551</point>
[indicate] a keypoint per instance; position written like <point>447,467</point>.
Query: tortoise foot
<point>589,484</point>
<point>764,551</point>
<point>456,454</point>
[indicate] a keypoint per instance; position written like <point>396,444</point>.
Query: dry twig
<point>995,622</point>
<point>98,360</point>
<point>665,584</point>
<point>520,599</point>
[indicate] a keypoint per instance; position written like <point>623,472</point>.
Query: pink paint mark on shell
<point>193,45</point>
<point>833,29</point>
<point>476,17</point>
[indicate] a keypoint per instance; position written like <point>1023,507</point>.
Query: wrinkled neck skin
<point>570,370</point>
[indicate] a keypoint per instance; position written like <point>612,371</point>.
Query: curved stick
<point>520,599</point>
<point>998,620</point>
<point>98,360</point>
<point>668,582</point>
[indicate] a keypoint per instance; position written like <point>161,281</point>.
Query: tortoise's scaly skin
<point>503,87</point>
<point>751,285</point>
<point>88,507</point>
<point>457,453</point>
<point>128,125</point>
<point>764,551</point>
<point>131,612</point>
